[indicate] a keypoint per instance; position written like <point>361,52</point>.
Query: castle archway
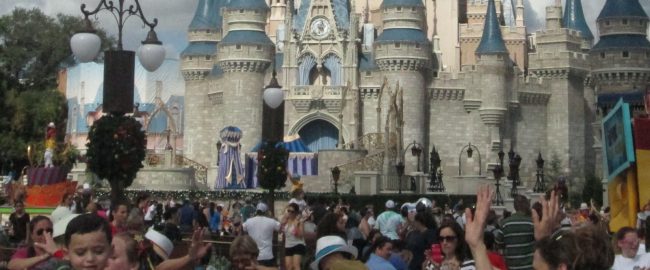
<point>318,130</point>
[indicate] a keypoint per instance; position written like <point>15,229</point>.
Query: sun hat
<point>390,204</point>
<point>161,241</point>
<point>262,207</point>
<point>584,206</point>
<point>61,224</point>
<point>329,244</point>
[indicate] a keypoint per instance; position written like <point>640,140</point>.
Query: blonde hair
<point>244,244</point>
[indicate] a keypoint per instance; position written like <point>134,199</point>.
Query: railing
<point>372,162</point>
<point>316,92</point>
<point>373,142</point>
<point>390,182</point>
<point>200,171</point>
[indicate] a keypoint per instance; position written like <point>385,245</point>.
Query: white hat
<point>584,206</point>
<point>390,204</point>
<point>161,241</point>
<point>262,207</point>
<point>61,224</point>
<point>411,207</point>
<point>329,244</point>
<point>51,124</point>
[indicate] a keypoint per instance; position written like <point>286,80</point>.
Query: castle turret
<point>244,54</point>
<point>574,19</point>
<point>403,54</point>
<point>493,64</point>
<point>620,58</point>
<point>198,61</point>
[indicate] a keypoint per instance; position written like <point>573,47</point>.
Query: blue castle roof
<point>574,18</point>
<point>401,3</point>
<point>200,48</point>
<point>248,5</point>
<point>402,35</point>
<point>341,9</point>
<point>246,37</point>
<point>207,15</point>
<point>622,8</point>
<point>616,42</point>
<point>492,40</point>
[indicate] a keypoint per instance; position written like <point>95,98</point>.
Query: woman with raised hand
<point>42,252</point>
<point>294,245</point>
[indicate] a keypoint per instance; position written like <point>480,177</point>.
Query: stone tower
<point>494,66</point>
<point>403,54</point>
<point>198,60</point>
<point>560,61</point>
<point>244,54</point>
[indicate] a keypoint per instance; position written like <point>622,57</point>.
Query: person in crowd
<point>518,236</point>
<point>171,229</point>
<point>332,224</point>
<point>135,222</point>
<point>209,210</point>
<point>367,249</point>
<point>63,209</point>
<point>298,197</point>
<point>42,252</point>
<point>309,233</point>
<point>455,249</point>
<point>118,216</point>
<point>364,225</point>
<point>248,210</point>
<point>421,237</point>
<point>19,220</point>
<point>187,216</point>
<point>407,211</point>
<point>150,213</point>
<point>142,203</point>
<point>642,237</point>
<point>496,259</point>
<point>643,216</point>
<point>400,258</point>
<point>333,253</point>
<point>294,244</point>
<point>627,240</point>
<point>125,253</point>
<point>493,228</point>
<point>459,213</point>
<point>88,242</point>
<point>381,251</point>
<point>215,221</point>
<point>243,254</point>
<point>261,228</point>
<point>389,221</point>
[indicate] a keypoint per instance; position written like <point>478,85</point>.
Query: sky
<point>175,15</point>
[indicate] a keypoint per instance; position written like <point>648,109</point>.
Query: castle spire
<point>492,40</point>
<point>207,16</point>
<point>622,8</point>
<point>574,18</point>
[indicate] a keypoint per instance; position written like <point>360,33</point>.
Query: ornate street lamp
<point>435,182</point>
<point>119,64</point>
<point>273,111</point>
<point>498,173</point>
<point>416,151</point>
<point>540,185</point>
<point>514,172</point>
<point>399,167</point>
<point>336,173</point>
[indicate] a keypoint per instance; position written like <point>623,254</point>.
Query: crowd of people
<point>147,234</point>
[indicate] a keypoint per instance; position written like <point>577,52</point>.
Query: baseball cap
<point>390,204</point>
<point>262,207</point>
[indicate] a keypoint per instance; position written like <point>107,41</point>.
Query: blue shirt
<point>215,222</point>
<point>187,215</point>
<point>378,263</point>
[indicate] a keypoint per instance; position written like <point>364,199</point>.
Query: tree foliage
<point>33,48</point>
<point>272,171</point>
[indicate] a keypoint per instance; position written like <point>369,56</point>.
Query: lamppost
<point>273,112</point>
<point>470,152</point>
<point>336,173</point>
<point>416,151</point>
<point>435,183</point>
<point>540,185</point>
<point>119,64</point>
<point>498,173</point>
<point>515,161</point>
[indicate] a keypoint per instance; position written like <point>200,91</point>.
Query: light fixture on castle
<point>273,95</point>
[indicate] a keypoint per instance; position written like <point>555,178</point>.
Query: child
<point>88,242</point>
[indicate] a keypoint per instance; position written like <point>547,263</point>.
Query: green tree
<point>593,189</point>
<point>272,173</point>
<point>33,48</point>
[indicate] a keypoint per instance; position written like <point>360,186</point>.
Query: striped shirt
<point>519,240</point>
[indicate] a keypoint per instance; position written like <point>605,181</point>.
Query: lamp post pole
<point>540,185</point>
<point>498,173</point>
<point>435,183</point>
<point>416,151</point>
<point>336,173</point>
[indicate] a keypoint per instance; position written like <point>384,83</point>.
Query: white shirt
<point>623,263</point>
<point>371,221</point>
<point>59,213</point>
<point>301,203</point>
<point>261,229</point>
<point>151,211</point>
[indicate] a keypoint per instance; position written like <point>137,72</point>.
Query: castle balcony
<point>304,97</point>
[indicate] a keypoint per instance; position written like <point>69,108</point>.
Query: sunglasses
<point>447,238</point>
<point>39,232</point>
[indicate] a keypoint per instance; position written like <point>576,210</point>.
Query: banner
<point>618,147</point>
<point>642,150</point>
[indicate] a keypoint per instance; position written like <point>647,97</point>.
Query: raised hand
<point>475,225</point>
<point>198,249</point>
<point>550,219</point>
<point>49,246</point>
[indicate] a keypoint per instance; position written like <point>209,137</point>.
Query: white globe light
<point>273,97</point>
<point>151,56</point>
<point>85,46</point>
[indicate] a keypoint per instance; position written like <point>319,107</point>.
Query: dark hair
<point>141,197</point>
<point>381,242</point>
<point>211,207</point>
<point>116,205</point>
<point>131,248</point>
<point>620,235</point>
<point>171,211</point>
<point>522,205</point>
<point>327,226</point>
<point>35,220</point>
<point>294,207</point>
<point>565,247</point>
<point>462,250</point>
<point>365,210</point>
<point>87,223</point>
<point>426,218</point>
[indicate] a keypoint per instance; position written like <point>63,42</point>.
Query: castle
<point>366,81</point>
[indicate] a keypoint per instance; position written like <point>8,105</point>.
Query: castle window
<point>257,11</point>
<point>399,9</point>
<point>397,45</point>
<point>417,45</point>
<point>237,47</point>
<point>241,11</point>
<point>368,73</point>
<point>602,55</point>
<point>413,9</point>
<point>259,47</point>
<point>606,22</point>
<point>626,54</point>
<point>207,31</point>
<point>207,57</point>
<point>624,21</point>
<point>189,58</point>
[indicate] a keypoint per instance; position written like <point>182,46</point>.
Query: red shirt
<point>497,260</point>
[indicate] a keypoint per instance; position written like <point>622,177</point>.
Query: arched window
<point>305,65</point>
<point>322,77</point>
<point>333,63</point>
